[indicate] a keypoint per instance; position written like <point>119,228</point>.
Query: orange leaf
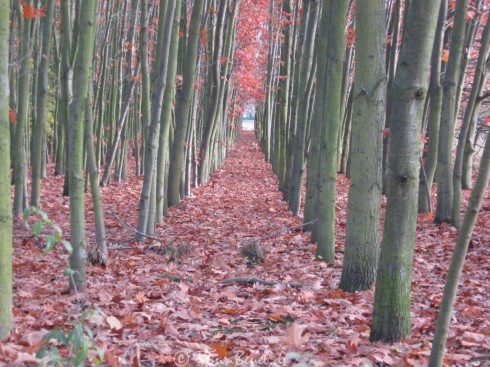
<point>445,56</point>
<point>221,349</point>
<point>29,12</point>
<point>277,318</point>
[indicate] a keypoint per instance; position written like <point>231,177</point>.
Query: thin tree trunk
<point>448,116</point>
<point>6,315</point>
<point>38,130</point>
<point>82,76</point>
<point>156,111</point>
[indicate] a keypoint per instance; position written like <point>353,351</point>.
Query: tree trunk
<point>19,142</point>
<point>391,311</point>
<point>448,116</point>
<point>38,129</point>
<point>99,255</point>
<point>363,214</point>
<point>183,105</point>
<point>435,107</point>
<point>457,261</point>
<point>306,71</point>
<point>156,111</point>
<point>82,77</point>
<point>472,109</point>
<point>335,13</point>
<point>6,317</point>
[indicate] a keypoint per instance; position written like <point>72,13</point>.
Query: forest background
<point>120,128</point>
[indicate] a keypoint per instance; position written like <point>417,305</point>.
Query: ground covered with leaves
<point>229,279</point>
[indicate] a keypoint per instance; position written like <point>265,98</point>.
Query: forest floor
<point>175,301</point>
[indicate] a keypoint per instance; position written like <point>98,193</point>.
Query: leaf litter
<point>162,306</point>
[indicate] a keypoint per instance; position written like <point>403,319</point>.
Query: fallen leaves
<point>155,308</point>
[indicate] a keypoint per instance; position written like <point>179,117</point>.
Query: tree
<point>156,111</point>
<point>306,74</point>
<point>81,77</point>
<point>6,316</point>
<point>363,214</point>
<point>448,116</point>
<point>19,142</point>
<point>335,14</point>
<point>183,106</point>
<point>391,311</point>
<point>470,117</point>
<point>38,129</point>
<point>457,261</point>
<point>434,115</point>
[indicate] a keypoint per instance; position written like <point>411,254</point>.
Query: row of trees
<point>95,85</point>
<point>343,87</point>
<point>348,91</point>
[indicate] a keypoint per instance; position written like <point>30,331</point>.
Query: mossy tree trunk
<point>363,214</point>
<point>6,316</point>
<point>391,311</point>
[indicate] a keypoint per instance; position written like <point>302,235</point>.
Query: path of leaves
<point>149,317</point>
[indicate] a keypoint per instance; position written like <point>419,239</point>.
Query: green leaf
<point>67,246</point>
<point>50,243</point>
<point>68,272</point>
<point>26,213</point>
<point>82,355</point>
<point>37,228</point>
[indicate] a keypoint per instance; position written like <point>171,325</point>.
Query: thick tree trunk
<point>391,311</point>
<point>363,214</point>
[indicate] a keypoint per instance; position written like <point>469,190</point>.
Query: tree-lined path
<point>166,295</point>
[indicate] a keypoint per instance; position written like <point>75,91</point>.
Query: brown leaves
<point>147,316</point>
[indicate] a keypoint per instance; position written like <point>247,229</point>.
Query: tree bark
<point>363,213</point>
<point>448,116</point>
<point>6,316</point>
<point>335,13</point>
<point>182,109</point>
<point>391,311</point>
<point>82,76</point>
<point>457,261</point>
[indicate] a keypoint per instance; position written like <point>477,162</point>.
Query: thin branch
<point>260,281</point>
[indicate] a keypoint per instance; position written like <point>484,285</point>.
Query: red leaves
<point>12,116</point>
<point>29,12</point>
